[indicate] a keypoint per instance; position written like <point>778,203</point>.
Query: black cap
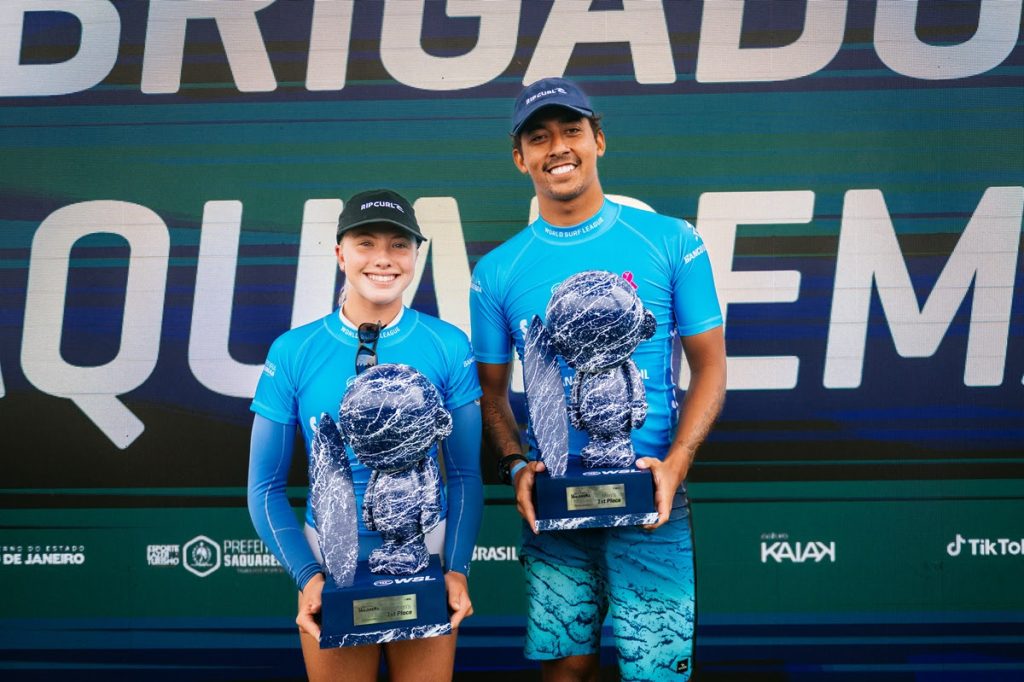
<point>549,92</point>
<point>379,206</point>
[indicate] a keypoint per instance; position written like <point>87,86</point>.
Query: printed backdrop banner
<point>173,174</point>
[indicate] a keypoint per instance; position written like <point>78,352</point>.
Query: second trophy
<point>594,323</point>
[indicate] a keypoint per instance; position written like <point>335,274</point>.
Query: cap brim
<point>586,113</point>
<point>384,221</point>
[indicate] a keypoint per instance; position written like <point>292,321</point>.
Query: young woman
<point>307,373</point>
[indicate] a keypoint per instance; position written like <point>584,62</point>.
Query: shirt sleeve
<point>694,298</point>
<point>270,456</point>
<point>491,338</point>
<point>463,383</point>
<point>275,392</point>
<point>465,490</point>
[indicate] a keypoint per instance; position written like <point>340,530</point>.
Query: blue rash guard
<point>663,258</point>
<point>306,373</point>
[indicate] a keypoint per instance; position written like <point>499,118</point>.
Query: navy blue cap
<point>549,92</point>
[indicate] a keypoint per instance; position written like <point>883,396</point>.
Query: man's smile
<point>562,168</point>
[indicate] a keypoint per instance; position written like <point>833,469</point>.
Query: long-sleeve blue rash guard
<point>306,374</point>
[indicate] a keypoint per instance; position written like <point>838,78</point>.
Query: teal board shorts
<point>643,581</point>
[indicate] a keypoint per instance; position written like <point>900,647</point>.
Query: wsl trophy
<point>594,323</point>
<point>391,416</point>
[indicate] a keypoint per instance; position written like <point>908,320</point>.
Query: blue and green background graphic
<point>172,175</point>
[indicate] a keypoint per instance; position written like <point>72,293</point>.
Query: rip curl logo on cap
<point>545,93</point>
<point>381,204</point>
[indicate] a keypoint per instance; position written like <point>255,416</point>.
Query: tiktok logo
<point>986,546</point>
<point>953,548</point>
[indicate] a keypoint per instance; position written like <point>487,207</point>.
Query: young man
<point>642,577</point>
<point>307,373</point>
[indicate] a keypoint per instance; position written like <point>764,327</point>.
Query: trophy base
<point>380,608</point>
<point>593,498</point>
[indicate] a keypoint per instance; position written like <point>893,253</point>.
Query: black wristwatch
<point>505,466</point>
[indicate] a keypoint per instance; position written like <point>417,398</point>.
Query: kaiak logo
<point>202,556</point>
<point>798,552</point>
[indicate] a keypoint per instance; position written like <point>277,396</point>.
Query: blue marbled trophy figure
<point>594,323</point>
<point>391,416</point>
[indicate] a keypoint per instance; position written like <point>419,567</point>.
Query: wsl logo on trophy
<point>594,323</point>
<point>391,417</point>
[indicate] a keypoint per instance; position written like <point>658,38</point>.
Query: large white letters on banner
<point>208,352</point>
<point>329,39</point>
<point>902,51</point>
<point>236,22</point>
<point>718,214</point>
<point>407,62</point>
<point>870,259</point>
<point>318,266</point>
<point>97,49</point>
<point>640,23</point>
<point>439,219</point>
<point>720,59</point>
<point>95,389</point>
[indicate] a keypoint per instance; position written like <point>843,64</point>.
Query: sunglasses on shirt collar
<point>366,354</point>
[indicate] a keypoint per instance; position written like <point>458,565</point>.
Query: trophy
<point>391,416</point>
<point>594,323</point>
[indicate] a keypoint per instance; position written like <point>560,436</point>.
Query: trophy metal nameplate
<point>595,497</point>
<point>384,609</point>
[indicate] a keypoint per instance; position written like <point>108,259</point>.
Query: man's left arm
<point>705,353</point>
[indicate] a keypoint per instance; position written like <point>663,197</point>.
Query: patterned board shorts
<point>642,580</point>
